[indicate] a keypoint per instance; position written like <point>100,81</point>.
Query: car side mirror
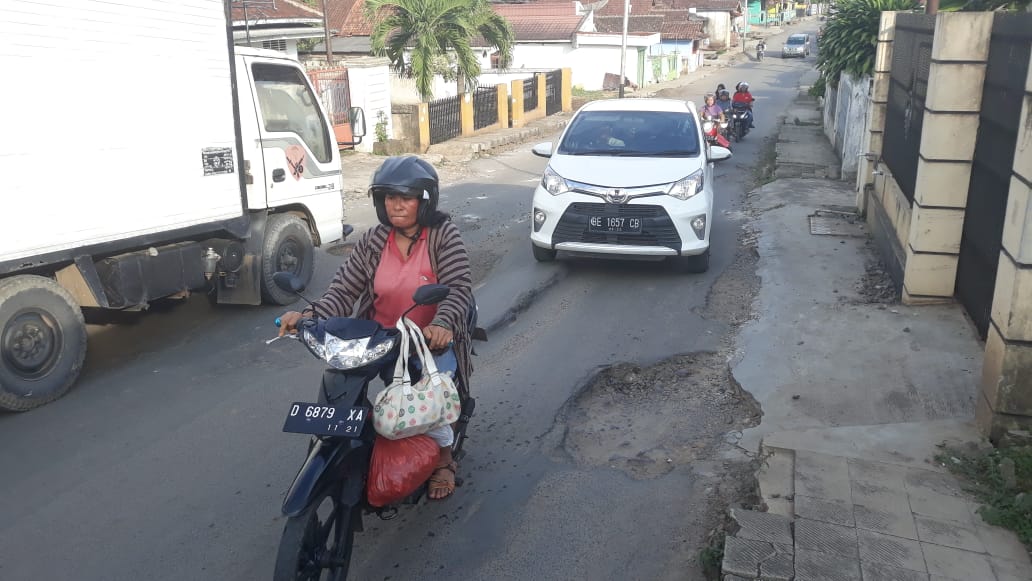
<point>717,153</point>
<point>543,149</point>
<point>357,117</point>
<point>430,294</point>
<point>289,282</point>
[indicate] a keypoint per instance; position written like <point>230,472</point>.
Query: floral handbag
<point>405,409</point>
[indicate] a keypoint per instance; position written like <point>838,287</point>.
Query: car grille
<point>657,229</point>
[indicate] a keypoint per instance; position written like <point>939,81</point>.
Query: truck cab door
<point>300,162</point>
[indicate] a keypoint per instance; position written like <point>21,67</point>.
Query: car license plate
<point>619,225</point>
<point>325,420</point>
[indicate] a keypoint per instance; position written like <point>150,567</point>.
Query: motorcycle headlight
<point>347,353</point>
<point>687,187</point>
<point>553,182</point>
<point>707,126</point>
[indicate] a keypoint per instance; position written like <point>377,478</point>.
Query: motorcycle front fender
<point>327,464</point>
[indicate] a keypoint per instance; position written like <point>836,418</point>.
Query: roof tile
<point>273,10</point>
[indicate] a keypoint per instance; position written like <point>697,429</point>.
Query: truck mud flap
<point>244,287</point>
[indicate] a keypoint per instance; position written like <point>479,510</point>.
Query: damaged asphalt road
<point>604,443</point>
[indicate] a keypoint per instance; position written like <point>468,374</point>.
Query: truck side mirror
<point>357,117</point>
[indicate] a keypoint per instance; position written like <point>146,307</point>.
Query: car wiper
<point>591,152</point>
<point>665,153</point>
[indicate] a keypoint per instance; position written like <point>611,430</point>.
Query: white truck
<point>145,157</point>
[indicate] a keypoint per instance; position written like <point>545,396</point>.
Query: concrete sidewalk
<point>857,391</point>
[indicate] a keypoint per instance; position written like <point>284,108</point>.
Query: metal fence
<point>530,98</point>
<point>445,119</point>
<point>553,92</point>
<point>485,107</point>
<point>999,123</point>
<point>331,85</point>
<point>908,87</point>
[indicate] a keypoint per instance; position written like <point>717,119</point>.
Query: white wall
<point>371,90</point>
<point>718,28</point>
<point>845,119</point>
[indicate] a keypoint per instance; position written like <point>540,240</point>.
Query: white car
<point>629,177</point>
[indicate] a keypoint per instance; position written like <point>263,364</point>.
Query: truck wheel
<point>42,342</point>
<point>288,247</point>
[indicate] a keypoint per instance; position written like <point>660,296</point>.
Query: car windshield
<point>796,40</point>
<point>632,134</point>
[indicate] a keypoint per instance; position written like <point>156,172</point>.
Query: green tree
<point>850,39</point>
<point>432,30</point>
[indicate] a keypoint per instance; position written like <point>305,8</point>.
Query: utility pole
<point>623,46</point>
<point>931,6</point>
<point>326,33</point>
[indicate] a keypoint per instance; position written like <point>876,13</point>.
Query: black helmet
<point>406,176</point>
<point>720,87</point>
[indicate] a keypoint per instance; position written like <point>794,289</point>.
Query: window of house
<point>288,105</point>
<point>280,45</point>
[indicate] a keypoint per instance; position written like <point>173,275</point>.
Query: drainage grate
<point>836,223</point>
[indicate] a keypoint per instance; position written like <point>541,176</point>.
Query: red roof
<point>616,7</point>
<point>671,24</point>
<point>263,10</point>
<point>614,24</point>
<point>678,29</point>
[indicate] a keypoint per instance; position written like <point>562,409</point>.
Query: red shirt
<point>744,97</point>
<point>397,278</point>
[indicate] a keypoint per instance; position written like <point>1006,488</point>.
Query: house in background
<point>723,18</point>
<point>275,25</point>
<point>553,34</point>
<point>682,37</point>
<point>349,29</point>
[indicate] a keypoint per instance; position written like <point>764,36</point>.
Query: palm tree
<point>431,29</point>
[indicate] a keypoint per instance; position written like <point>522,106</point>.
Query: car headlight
<point>347,353</point>
<point>707,126</point>
<point>687,187</point>
<point>553,182</point>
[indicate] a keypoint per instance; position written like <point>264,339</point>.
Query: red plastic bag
<point>399,467</point>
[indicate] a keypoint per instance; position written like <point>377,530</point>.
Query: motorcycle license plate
<point>325,420</point>
<point>620,225</point>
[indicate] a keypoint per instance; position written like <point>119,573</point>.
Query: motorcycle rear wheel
<point>319,539</point>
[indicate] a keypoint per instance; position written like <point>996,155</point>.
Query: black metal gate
<point>999,121</point>
<point>553,92</point>
<point>530,92</point>
<point>485,107</point>
<point>908,87</point>
<point>445,119</point>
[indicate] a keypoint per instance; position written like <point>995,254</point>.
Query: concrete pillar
<point>424,127</point>
<point>466,114</point>
<point>876,112</point>
<point>516,102</point>
<point>1005,401</point>
<point>503,105</point>
<point>960,51</point>
<point>542,92</point>
<point>567,87</point>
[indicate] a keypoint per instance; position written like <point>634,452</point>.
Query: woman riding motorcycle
<point>414,244</point>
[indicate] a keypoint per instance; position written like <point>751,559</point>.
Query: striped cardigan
<point>351,292</point>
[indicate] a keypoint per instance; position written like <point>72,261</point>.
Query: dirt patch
<point>358,169</point>
<point>876,286</point>
<point>647,421</point>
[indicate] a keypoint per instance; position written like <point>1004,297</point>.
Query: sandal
<point>439,483</point>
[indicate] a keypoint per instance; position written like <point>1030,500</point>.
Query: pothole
<point>648,421</point>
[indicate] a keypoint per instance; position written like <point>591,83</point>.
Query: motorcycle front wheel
<point>319,539</point>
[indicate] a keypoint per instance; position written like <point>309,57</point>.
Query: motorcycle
<point>325,503</point>
<point>715,130</point>
<point>759,52</point>
<point>739,120</point>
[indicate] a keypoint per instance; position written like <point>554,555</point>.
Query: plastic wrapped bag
<point>399,467</point>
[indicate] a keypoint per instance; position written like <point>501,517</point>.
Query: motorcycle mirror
<point>288,281</point>
<point>430,294</point>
